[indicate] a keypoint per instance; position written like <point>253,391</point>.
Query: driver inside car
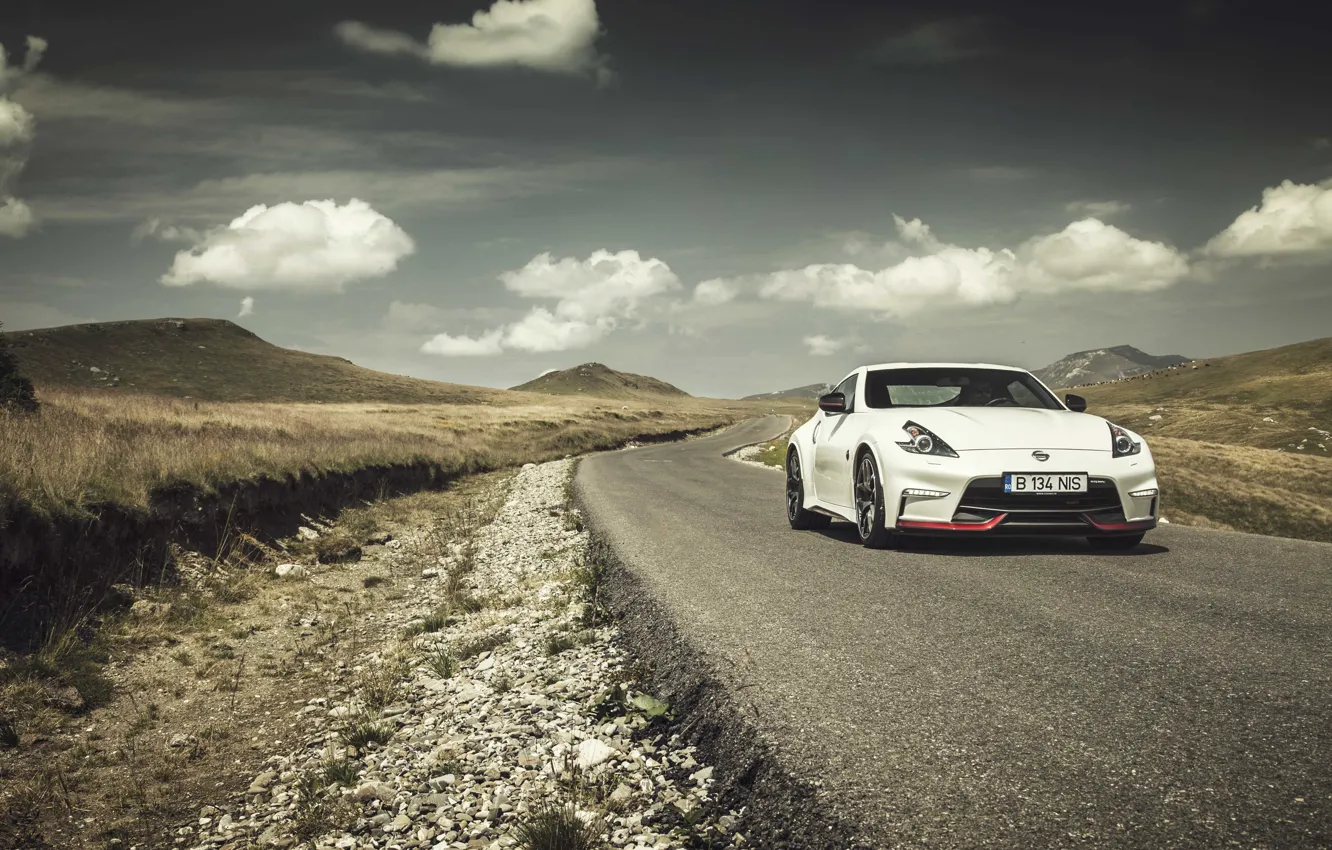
<point>976,394</point>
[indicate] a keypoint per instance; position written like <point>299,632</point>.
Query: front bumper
<point>976,504</point>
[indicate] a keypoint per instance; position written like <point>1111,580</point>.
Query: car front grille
<point>987,494</point>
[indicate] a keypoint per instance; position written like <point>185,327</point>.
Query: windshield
<point>944,387</point>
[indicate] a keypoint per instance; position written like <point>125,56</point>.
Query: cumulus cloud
<point>1097,209</point>
<point>16,133</point>
<point>16,217</point>
<point>823,346</point>
<point>1092,255</point>
<point>1087,255</point>
<point>464,346</point>
<point>315,245</point>
<point>555,36</point>
<point>156,228</point>
<point>1294,221</point>
<point>15,123</point>
<point>714,292</point>
<point>247,307</point>
<point>592,298</point>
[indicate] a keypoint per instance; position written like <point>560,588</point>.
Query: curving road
<point>998,693</point>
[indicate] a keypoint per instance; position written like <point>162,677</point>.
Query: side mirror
<point>833,403</point>
<point>1076,403</point>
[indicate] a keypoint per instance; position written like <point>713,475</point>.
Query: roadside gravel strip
<point>746,454</point>
<point>487,718</point>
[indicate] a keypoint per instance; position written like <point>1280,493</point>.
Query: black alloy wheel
<point>800,519</point>
<point>869,504</point>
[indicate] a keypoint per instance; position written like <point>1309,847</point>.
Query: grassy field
<point>87,446</point>
<point>1244,442</point>
<point>1277,399</point>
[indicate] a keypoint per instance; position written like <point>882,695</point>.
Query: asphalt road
<point>999,693</point>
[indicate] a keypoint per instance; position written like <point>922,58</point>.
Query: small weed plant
<point>364,730</point>
<point>558,828</point>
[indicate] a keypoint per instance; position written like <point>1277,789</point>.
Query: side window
<point>848,389</point>
<point>1023,396</point>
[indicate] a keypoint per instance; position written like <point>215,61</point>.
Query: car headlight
<point>921,441</point>
<point>1122,444</point>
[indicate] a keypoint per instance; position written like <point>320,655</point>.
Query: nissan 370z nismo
<point>967,449</point>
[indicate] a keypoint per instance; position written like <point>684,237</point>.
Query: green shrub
<point>16,391</point>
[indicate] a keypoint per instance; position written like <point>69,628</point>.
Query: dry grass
<point>1243,443</point>
<point>1245,488</point>
<point>91,767</point>
<point>88,447</point>
<point>1232,399</point>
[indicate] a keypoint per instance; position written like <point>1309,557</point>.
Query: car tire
<point>868,497</point>
<point>1116,544</point>
<point>800,519</point>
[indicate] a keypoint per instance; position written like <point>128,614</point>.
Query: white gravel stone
<point>747,454</point>
<point>513,728</point>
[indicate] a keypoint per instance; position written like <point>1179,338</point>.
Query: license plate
<point>1054,483</point>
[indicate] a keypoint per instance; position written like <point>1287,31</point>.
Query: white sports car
<point>967,449</point>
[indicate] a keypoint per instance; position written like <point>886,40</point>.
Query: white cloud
<point>155,228</point>
<point>464,346</point>
<point>542,331</point>
<point>1086,255</point>
<point>1293,221</point>
<point>1092,255</point>
<point>603,284</point>
<point>823,346</point>
<point>315,245</point>
<point>247,307</point>
<point>556,36</point>
<point>593,297</point>
<point>375,40</point>
<point>1097,209</point>
<point>714,292</point>
<point>16,132</point>
<point>15,123</point>
<point>16,217</point>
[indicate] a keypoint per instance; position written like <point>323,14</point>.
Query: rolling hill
<point>1278,398</point>
<point>211,360</point>
<point>1103,364</point>
<point>807,391</point>
<point>595,379</point>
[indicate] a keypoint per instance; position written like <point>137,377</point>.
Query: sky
<point>735,196</point>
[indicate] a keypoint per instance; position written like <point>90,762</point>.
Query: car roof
<point>943,366</point>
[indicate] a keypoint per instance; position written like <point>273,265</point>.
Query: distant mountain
<point>1104,364</point>
<point>595,379</point>
<point>807,391</point>
<point>213,360</point>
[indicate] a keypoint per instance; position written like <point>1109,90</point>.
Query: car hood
<point>979,428</point>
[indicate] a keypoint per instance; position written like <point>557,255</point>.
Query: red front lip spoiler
<point>993,522</point>
<point>953,526</point>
